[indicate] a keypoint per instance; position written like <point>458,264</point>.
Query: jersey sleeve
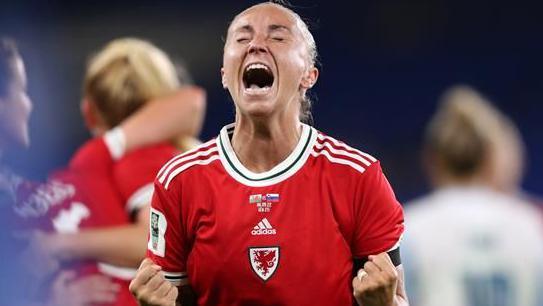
<point>134,175</point>
<point>167,239</point>
<point>134,178</point>
<point>379,221</point>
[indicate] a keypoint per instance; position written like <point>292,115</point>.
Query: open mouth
<point>257,78</point>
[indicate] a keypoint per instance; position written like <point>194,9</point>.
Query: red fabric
<point>96,203</point>
<point>92,156</point>
<point>139,169</point>
<point>81,196</point>
<point>325,214</point>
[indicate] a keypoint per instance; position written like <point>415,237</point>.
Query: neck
<point>445,180</point>
<point>98,130</point>
<point>261,144</point>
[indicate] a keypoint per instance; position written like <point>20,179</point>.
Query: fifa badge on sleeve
<point>158,225</point>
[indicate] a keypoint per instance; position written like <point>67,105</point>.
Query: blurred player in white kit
<point>473,241</point>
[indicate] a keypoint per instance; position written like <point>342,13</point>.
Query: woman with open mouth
<point>272,211</point>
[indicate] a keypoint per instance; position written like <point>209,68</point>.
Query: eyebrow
<point>278,27</point>
<point>245,28</point>
<point>271,28</point>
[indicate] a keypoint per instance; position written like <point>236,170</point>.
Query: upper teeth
<point>257,66</point>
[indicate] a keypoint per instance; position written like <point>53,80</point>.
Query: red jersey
<point>81,196</point>
<point>117,191</point>
<point>135,172</point>
<point>95,203</point>
<point>94,192</point>
<point>89,173</point>
<point>65,201</point>
<point>287,236</point>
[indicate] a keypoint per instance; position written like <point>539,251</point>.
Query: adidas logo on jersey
<point>263,228</point>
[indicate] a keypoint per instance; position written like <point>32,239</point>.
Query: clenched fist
<point>376,283</point>
<point>151,288</point>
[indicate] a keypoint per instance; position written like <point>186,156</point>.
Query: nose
<point>258,44</point>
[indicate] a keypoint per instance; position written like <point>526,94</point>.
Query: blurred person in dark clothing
<point>24,269</point>
<point>15,108</point>
<point>473,240</point>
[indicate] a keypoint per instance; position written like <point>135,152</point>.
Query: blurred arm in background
<point>179,115</point>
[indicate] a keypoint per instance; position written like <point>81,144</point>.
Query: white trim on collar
<point>282,171</point>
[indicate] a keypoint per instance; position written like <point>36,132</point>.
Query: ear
<point>223,79</point>
<point>310,78</point>
<point>88,111</point>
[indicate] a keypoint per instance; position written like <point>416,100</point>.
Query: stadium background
<point>384,65</point>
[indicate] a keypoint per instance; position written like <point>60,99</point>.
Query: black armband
<point>358,263</point>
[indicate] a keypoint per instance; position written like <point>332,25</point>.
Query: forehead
<point>264,15</point>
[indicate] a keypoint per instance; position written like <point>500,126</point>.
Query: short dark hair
<point>8,53</point>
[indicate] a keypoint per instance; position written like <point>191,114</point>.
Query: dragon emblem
<point>264,261</point>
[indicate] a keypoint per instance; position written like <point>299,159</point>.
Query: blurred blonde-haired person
<point>472,241</point>
<point>101,222</point>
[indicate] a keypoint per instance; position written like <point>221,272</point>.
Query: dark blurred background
<point>384,65</point>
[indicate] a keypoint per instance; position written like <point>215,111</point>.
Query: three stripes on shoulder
<point>340,153</point>
<point>201,155</point>
<point>334,150</point>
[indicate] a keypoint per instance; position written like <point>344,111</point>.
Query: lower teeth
<point>256,88</point>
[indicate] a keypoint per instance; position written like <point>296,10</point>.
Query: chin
<point>25,143</point>
<point>15,142</point>
<point>260,108</point>
<point>23,137</point>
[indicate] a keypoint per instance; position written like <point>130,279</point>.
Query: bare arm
<point>121,245</point>
<point>178,115</point>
